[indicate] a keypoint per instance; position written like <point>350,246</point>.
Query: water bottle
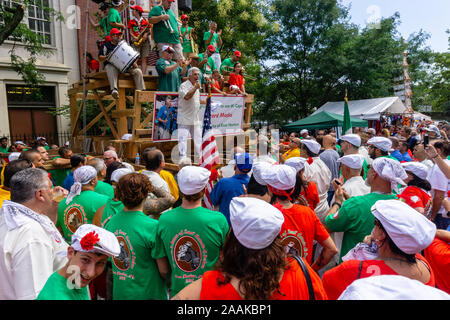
<point>137,160</point>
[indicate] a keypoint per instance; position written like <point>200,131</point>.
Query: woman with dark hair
<point>253,264</point>
<point>416,194</point>
<point>236,80</point>
<point>400,233</point>
<point>110,169</point>
<point>305,192</point>
<point>135,273</point>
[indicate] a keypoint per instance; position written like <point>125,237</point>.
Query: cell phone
<point>425,140</point>
<point>337,182</point>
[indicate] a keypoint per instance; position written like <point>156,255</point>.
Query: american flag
<point>209,153</point>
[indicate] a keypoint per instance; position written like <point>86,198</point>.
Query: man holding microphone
<point>188,108</point>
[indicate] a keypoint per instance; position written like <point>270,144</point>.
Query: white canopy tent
<point>367,109</point>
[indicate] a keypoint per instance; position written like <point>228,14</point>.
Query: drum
<point>123,56</point>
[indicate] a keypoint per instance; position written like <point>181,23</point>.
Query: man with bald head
<point>330,157</point>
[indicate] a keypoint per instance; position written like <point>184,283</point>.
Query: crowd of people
<point>174,43</point>
<point>306,217</point>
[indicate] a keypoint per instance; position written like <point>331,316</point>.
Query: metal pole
<point>85,73</point>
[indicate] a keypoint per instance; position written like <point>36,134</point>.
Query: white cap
<point>390,170</point>
<point>81,176</point>
<point>119,173</point>
<point>391,287</point>
<point>304,131</point>
<point>353,161</point>
<point>13,156</point>
<point>192,179</point>
<point>419,169</point>
<point>280,176</point>
<point>20,142</point>
<point>410,230</point>
<point>353,139</point>
<point>91,238</point>
<point>255,222</point>
<point>312,145</point>
<point>433,128</point>
<point>381,143</point>
<point>259,168</point>
<point>297,163</point>
<point>165,47</point>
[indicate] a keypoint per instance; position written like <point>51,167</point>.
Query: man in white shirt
<point>317,171</point>
<point>154,163</point>
<point>188,107</point>
<point>31,248</point>
<point>420,154</point>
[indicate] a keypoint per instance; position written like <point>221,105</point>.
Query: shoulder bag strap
<point>307,277</point>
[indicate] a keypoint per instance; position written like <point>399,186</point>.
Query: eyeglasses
<point>106,159</point>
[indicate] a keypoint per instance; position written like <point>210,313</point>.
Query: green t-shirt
<point>4,150</point>
<point>104,25</point>
<point>59,175</point>
<point>81,210</point>
<point>168,82</point>
<point>191,240</point>
<point>161,33</point>
<point>113,16</point>
<point>355,219</point>
<point>214,40</point>
<point>105,189</point>
<point>56,289</point>
<point>135,272</point>
<point>208,67</point>
<point>187,47</point>
<point>227,65</point>
<point>112,207</point>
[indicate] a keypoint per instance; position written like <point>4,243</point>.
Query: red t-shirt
<point>417,198</point>
<point>292,286</point>
<point>94,65</point>
<point>299,230</point>
<point>336,280</point>
<point>134,27</point>
<point>309,197</point>
<point>236,79</point>
<point>438,255</point>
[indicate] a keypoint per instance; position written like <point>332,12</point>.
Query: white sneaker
<point>115,94</point>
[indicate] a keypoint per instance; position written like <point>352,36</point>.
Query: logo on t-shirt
<point>123,261</point>
<point>188,251</point>
<point>74,217</point>
<point>294,244</point>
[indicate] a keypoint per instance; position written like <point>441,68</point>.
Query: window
<point>37,19</point>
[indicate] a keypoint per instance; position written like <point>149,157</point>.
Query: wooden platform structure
<point>117,115</point>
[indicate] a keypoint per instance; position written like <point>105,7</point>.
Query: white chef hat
<point>259,168</point>
<point>280,176</point>
<point>192,179</point>
<point>119,173</point>
<point>353,161</point>
<point>353,139</point>
<point>410,230</point>
<point>13,156</point>
<point>381,143</point>
<point>298,163</point>
<point>391,287</point>
<point>390,170</point>
<point>304,131</point>
<point>91,238</point>
<point>81,176</point>
<point>419,169</point>
<point>255,222</point>
<point>312,145</point>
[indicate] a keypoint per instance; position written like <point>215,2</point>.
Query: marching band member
<point>140,31</point>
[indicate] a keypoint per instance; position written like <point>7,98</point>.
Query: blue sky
<point>432,16</point>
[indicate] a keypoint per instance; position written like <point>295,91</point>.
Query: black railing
<point>57,138</point>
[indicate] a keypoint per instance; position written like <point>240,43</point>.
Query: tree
<point>12,27</point>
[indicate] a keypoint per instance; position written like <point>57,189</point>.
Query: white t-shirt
<point>188,109</point>
<point>156,180</point>
<point>28,257</point>
<point>320,174</point>
<point>439,181</point>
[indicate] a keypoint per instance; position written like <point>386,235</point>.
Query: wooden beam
<point>105,113</point>
<point>145,96</point>
<point>77,117</point>
<point>97,118</point>
<point>122,113</point>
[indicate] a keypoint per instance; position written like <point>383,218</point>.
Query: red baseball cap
<point>115,31</point>
<point>211,48</point>
<point>138,8</point>
<point>237,53</point>
<point>184,16</point>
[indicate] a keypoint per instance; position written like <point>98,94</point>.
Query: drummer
<point>112,71</point>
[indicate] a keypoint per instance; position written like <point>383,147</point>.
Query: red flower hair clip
<point>310,160</point>
<point>89,240</point>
